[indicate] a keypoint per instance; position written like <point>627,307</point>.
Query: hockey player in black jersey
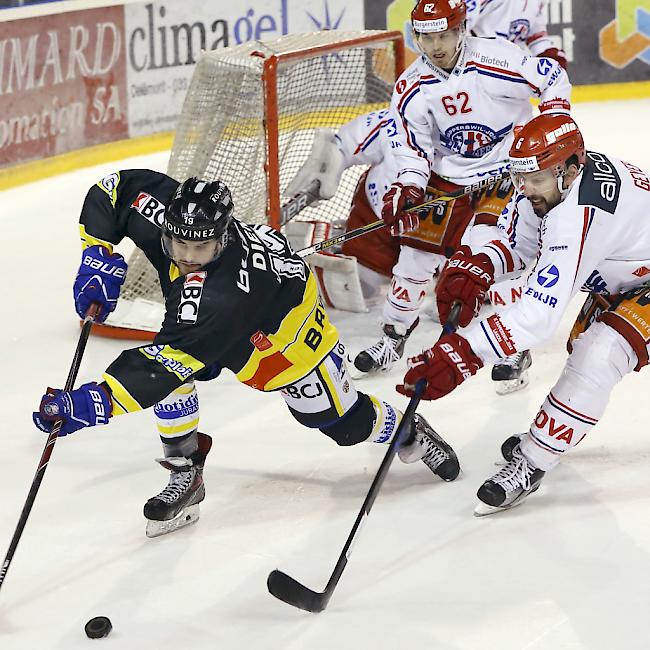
<point>237,297</point>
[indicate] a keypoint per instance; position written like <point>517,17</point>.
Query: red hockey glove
<point>466,279</point>
<point>557,55</point>
<point>396,201</point>
<point>445,366</point>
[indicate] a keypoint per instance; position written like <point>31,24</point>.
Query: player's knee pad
<point>601,356</point>
<point>177,415</point>
<point>369,419</point>
<point>355,425</point>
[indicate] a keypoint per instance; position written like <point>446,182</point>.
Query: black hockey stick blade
<point>285,588</point>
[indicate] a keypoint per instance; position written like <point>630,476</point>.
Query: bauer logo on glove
<point>99,280</point>
<point>87,406</point>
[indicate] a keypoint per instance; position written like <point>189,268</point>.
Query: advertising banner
<point>62,83</point>
<point>164,39</point>
<point>605,42</point>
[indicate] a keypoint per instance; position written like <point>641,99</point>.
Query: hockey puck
<point>98,627</point>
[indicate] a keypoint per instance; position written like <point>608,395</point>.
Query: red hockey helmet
<point>437,15</point>
<point>547,141</point>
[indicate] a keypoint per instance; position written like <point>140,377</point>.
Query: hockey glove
<point>445,366</point>
<point>396,201</point>
<point>87,406</point>
<point>555,54</point>
<point>99,280</point>
<point>466,279</point>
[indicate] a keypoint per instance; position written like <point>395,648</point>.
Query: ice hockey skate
<point>509,486</point>
<point>177,505</point>
<point>511,374</point>
<point>508,445</point>
<point>426,445</point>
<point>383,355</point>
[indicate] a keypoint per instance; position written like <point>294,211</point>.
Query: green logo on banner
<point>627,38</point>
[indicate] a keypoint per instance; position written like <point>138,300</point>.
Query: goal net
<point>249,118</point>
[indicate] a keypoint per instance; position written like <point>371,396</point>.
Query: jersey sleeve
<point>511,245</point>
<point>99,223</point>
<point>545,78</point>
<point>106,212</point>
<point>360,139</point>
<point>408,134</point>
<point>567,256</point>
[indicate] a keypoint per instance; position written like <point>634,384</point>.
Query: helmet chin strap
<point>560,182</point>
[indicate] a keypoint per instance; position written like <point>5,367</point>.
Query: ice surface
<point>567,570</point>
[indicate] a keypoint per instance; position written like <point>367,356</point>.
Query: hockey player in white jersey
<point>451,123</point>
<point>522,22</point>
<point>584,217</point>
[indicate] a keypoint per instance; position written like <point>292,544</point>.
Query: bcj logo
<point>627,38</point>
<point>548,276</point>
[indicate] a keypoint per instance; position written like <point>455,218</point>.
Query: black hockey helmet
<point>198,211</point>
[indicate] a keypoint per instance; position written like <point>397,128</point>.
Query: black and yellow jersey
<point>255,310</point>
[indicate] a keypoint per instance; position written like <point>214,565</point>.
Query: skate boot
<point>510,443</point>
<point>511,373</point>
<point>177,505</point>
<point>426,445</point>
<point>383,354</point>
<point>509,486</point>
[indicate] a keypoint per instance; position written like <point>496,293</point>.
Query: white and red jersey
<point>522,22</point>
<point>460,125</point>
<point>596,240</point>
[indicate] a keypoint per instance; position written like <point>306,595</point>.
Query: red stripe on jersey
<point>585,228</point>
<point>555,104</point>
<point>406,94</point>
<point>368,137</point>
<point>268,368</point>
<point>536,37</point>
<point>568,408</point>
<point>505,72</point>
<point>510,262</point>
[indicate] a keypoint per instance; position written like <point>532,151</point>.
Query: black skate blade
<point>290,591</point>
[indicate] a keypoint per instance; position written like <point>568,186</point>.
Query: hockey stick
<point>49,445</point>
<point>292,592</point>
<point>375,225</point>
<point>299,202</point>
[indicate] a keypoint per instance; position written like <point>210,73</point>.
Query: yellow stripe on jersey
<point>326,377</point>
<point>109,184</point>
<point>303,339</point>
<point>123,401</point>
<point>180,363</point>
<point>88,240</point>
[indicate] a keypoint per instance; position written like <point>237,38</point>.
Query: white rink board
<point>566,571</point>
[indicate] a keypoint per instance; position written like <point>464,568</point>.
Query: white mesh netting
<point>222,131</point>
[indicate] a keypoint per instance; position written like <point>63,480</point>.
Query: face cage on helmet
<point>462,37</point>
<point>166,243</point>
